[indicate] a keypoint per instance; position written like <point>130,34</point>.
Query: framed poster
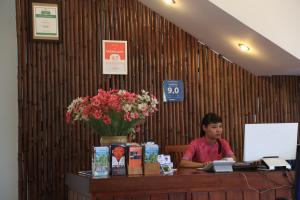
<point>114,57</point>
<point>172,90</point>
<point>45,21</point>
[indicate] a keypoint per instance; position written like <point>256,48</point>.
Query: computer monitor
<point>297,178</point>
<point>270,139</point>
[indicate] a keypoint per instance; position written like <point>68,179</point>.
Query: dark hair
<point>209,118</point>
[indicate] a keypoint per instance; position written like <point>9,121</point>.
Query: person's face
<point>213,131</point>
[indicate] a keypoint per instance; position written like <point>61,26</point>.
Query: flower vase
<point>108,140</point>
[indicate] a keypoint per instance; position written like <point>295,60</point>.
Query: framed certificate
<point>45,21</point>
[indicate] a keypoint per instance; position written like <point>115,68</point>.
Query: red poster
<point>114,57</point>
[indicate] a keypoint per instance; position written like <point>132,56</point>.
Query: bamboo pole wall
<point>50,75</point>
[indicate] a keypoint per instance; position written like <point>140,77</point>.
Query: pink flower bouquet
<point>115,112</point>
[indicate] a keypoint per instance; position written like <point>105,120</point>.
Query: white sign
<point>45,21</point>
<point>114,57</point>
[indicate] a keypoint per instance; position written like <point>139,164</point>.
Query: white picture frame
<point>45,21</point>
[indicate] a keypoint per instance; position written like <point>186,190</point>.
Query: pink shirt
<point>201,151</point>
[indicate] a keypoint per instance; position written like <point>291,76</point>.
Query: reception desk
<point>187,184</point>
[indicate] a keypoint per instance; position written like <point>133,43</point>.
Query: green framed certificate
<point>45,21</point>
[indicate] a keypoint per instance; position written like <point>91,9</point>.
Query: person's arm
<point>227,151</point>
<point>191,164</point>
<point>187,158</point>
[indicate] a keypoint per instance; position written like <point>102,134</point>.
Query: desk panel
<point>186,184</point>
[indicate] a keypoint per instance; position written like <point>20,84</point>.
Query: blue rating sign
<point>173,90</point>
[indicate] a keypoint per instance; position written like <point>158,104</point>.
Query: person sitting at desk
<point>209,146</point>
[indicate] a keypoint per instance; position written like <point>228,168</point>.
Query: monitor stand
<point>275,163</point>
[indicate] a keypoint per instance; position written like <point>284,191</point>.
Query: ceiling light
<point>170,1</point>
<point>244,47</point>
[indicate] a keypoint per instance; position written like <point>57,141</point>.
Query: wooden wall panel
<point>218,195</point>
<point>199,195</point>
<point>50,75</point>
<point>250,195</point>
<point>234,195</point>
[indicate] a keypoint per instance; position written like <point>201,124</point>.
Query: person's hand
<point>257,162</point>
<point>228,159</point>
<point>206,163</point>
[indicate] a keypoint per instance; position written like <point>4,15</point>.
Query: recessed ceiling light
<point>170,1</point>
<point>244,47</point>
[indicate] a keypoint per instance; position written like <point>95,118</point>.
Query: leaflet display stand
<point>274,163</point>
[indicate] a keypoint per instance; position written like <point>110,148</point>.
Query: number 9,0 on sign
<point>172,90</point>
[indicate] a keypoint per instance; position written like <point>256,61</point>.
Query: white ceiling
<point>273,37</point>
<point>274,19</point>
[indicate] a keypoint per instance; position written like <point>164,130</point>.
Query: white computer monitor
<point>270,139</point>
